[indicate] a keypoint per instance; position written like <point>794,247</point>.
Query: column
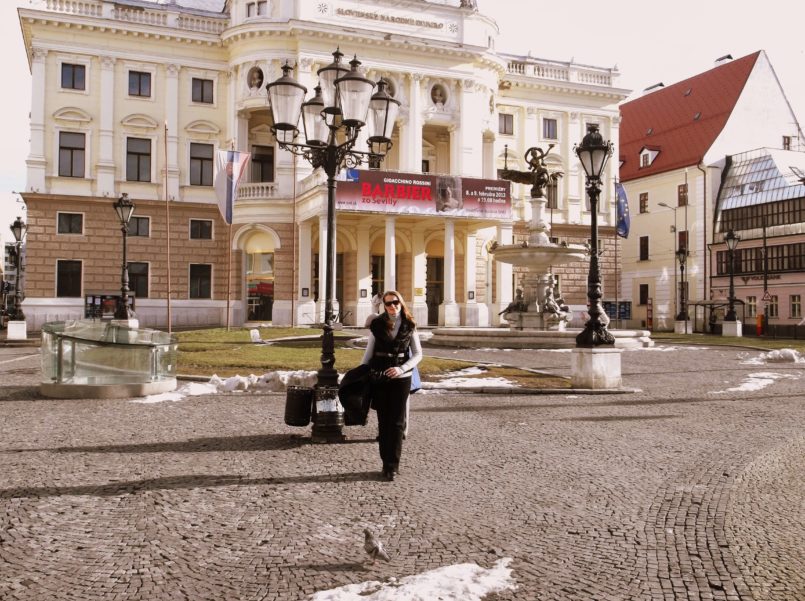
<point>449,313</point>
<point>419,267</point>
<point>105,182</point>
<point>36,163</point>
<point>363,307</point>
<point>172,121</point>
<point>305,312</point>
<point>474,314</point>
<point>470,139</point>
<point>503,284</point>
<point>455,150</point>
<point>411,129</point>
<point>390,269</point>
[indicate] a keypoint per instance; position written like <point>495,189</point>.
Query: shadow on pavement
<point>131,487</point>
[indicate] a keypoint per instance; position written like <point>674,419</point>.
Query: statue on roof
<point>473,4</point>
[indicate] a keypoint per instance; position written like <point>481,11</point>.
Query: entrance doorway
<point>259,253</point>
<point>434,290</point>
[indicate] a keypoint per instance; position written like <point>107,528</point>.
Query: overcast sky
<point>648,41</point>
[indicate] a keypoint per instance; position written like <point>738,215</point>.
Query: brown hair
<point>403,307</point>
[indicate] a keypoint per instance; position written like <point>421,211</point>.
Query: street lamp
<point>19,229</point>
<point>332,121</point>
<point>732,242</point>
<point>124,208</point>
<point>593,153</point>
<point>682,257</point>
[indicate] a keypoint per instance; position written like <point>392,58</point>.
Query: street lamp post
<point>675,230</point>
<point>343,103</point>
<point>124,209</point>
<point>19,229</point>
<point>682,257</point>
<point>732,242</point>
<point>593,153</point>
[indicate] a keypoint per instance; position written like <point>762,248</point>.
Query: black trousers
<point>389,398</point>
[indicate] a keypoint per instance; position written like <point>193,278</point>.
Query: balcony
<point>258,191</point>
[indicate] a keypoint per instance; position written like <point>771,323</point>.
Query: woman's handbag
<point>416,382</point>
<point>354,394</point>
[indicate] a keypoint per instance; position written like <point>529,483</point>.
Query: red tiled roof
<point>669,113</point>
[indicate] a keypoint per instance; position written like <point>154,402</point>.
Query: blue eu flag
<point>623,211</point>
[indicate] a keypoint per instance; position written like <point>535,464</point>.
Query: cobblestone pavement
<point>683,490</point>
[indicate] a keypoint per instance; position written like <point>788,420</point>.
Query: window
<point>73,77</point>
<point>139,84</point>
<point>549,129</point>
<point>202,90</point>
<point>200,281</point>
<point>643,294</point>
<point>751,306</point>
<point>644,202</point>
<point>796,305</point>
<point>138,279</point>
<point>644,248</point>
<point>682,239</point>
<point>71,154</point>
<point>772,309</point>
<point>786,142</point>
<point>70,223</point>
<point>200,229</point>
<point>263,164</point>
<point>505,124</point>
<point>138,160</point>
<point>425,166</point>
<point>140,226</point>
<point>645,160</point>
<point>256,8</point>
<point>201,164</point>
<point>68,278</point>
<point>682,195</point>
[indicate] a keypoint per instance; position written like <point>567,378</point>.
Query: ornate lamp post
<point>732,242</point>
<point>343,104</point>
<point>124,208</point>
<point>19,229</point>
<point>593,152</point>
<point>682,257</point>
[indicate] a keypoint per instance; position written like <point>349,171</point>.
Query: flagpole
<point>168,231</point>
<point>617,271</point>
<point>229,276</point>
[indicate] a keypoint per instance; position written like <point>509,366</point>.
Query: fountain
<point>537,318</point>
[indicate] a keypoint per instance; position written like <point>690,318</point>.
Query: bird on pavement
<point>373,547</point>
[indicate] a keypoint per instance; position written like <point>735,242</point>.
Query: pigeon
<point>373,547</point>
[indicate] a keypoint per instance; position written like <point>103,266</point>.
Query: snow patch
<point>461,582</point>
<point>471,383</point>
<point>785,355</point>
<point>757,381</point>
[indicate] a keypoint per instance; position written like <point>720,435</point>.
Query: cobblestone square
<point>682,490</point>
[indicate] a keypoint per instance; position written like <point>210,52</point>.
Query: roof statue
<point>473,4</point>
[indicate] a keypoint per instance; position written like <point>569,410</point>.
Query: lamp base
<point>596,368</point>
<point>732,328</point>
<point>683,326</point>
<point>17,330</point>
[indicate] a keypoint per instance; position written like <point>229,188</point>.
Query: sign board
<point>767,296</point>
<point>423,194</point>
<point>102,305</point>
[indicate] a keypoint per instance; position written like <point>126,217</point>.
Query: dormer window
<point>259,8</point>
<point>647,156</point>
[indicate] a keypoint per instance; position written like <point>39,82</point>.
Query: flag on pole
<point>623,211</point>
<point>229,167</point>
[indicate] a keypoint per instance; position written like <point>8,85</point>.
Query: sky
<point>649,42</point>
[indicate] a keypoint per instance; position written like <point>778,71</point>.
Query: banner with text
<point>423,194</point>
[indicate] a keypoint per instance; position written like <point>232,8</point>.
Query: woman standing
<point>393,350</point>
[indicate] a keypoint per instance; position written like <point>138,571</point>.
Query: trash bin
<point>298,402</point>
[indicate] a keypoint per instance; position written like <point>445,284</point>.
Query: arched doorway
<point>258,250</point>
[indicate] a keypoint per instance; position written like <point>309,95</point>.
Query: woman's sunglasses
<point>389,303</point>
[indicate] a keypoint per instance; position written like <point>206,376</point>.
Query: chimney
<point>654,88</point>
<point>723,59</point>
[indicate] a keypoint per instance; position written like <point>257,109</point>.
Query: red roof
<point>666,120</point>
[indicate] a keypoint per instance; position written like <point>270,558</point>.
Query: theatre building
<point>136,97</point>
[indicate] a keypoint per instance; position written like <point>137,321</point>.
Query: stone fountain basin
<point>539,257</point>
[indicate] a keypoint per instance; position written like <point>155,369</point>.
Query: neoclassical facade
<point>136,97</point>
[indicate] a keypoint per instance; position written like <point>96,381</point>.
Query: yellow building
<point>136,97</point>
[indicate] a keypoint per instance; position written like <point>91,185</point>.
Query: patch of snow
<point>757,381</point>
<point>461,582</point>
<point>471,383</point>
<point>669,348</point>
<point>467,371</point>
<point>785,355</point>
